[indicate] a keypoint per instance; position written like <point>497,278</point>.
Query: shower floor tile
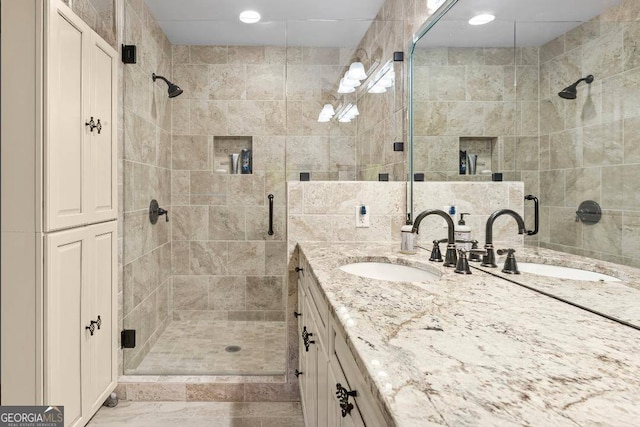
<point>198,347</point>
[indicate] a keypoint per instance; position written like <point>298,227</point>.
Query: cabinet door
<point>101,353</point>
<point>101,177</point>
<point>66,155</point>
<point>66,276</point>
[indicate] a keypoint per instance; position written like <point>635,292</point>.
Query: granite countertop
<point>476,349</point>
<point>617,299</point>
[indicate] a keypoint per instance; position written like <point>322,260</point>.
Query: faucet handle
<point>475,252</point>
<point>436,255</point>
<point>510,264</point>
<point>462,265</point>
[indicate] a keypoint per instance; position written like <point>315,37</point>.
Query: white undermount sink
<point>388,271</point>
<point>564,272</point>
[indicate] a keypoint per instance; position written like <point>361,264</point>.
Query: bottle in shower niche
<point>235,158</point>
<point>463,162</point>
<point>245,161</point>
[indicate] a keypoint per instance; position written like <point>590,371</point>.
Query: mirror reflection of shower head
<point>174,90</point>
<point>571,92</point>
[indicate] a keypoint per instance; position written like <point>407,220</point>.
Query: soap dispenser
<point>463,232</point>
<point>408,239</point>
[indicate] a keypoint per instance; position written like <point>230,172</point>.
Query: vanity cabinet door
<point>66,151</point>
<point>80,133</point>
<point>80,348</point>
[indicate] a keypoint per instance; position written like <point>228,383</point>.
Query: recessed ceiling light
<point>481,19</point>
<point>249,16</point>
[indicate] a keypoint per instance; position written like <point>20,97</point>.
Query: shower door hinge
<point>129,54</point>
<point>128,338</point>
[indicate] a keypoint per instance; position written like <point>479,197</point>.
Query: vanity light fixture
<point>249,16</point>
<point>483,18</point>
<point>343,88</point>
<point>326,113</point>
<point>356,71</point>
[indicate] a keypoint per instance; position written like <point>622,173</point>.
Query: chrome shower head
<point>174,90</point>
<point>571,92</point>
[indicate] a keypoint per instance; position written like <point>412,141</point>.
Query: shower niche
<point>233,154</point>
<point>477,156</point>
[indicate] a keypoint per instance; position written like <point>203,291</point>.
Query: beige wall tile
<point>190,223</point>
<point>264,293</point>
<point>190,292</point>
<point>227,223</point>
<point>210,258</point>
<point>190,152</point>
<point>227,293</point>
<point>246,258</point>
<point>208,54</point>
<point>227,81</point>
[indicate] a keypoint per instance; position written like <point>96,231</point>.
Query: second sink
<point>388,271</point>
<point>564,272</point>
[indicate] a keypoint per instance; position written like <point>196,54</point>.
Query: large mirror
<point>486,99</point>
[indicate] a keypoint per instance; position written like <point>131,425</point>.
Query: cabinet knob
<point>93,125</point>
<point>91,327</point>
<point>297,373</point>
<point>296,314</point>
<point>299,270</point>
<point>343,397</point>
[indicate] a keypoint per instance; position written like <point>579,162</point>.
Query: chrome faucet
<point>489,258</point>
<point>451,257</point>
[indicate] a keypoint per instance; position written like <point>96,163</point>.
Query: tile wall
<point>325,211</point>
<point>470,92</point>
<point>145,170</point>
<point>100,15</point>
<point>224,264</point>
<point>589,146</point>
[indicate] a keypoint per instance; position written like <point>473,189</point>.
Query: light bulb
<point>356,71</point>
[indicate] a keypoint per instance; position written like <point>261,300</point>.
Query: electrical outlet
<point>362,220</point>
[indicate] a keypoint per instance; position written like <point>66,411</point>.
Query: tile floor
<point>200,414</point>
<point>197,347</point>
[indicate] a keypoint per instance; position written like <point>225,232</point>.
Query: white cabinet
<point>56,175</point>
<point>79,320</point>
<point>79,122</point>
<point>332,389</point>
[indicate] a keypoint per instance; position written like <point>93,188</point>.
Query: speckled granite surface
<point>477,350</point>
<point>617,299</point>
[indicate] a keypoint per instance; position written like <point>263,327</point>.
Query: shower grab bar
<point>536,214</point>
<point>270,232</point>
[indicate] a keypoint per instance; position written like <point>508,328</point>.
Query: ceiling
<point>531,22</point>
<point>340,23</point>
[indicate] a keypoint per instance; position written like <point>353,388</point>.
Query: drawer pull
<point>305,338</point>
<point>91,327</point>
<point>296,314</point>
<point>343,397</point>
<point>297,373</point>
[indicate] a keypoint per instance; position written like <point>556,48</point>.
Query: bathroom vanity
<point>459,350</point>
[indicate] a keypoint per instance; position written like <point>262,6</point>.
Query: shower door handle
<point>270,232</point>
<point>536,214</point>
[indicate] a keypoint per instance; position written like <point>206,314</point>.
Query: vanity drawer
<point>365,400</point>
